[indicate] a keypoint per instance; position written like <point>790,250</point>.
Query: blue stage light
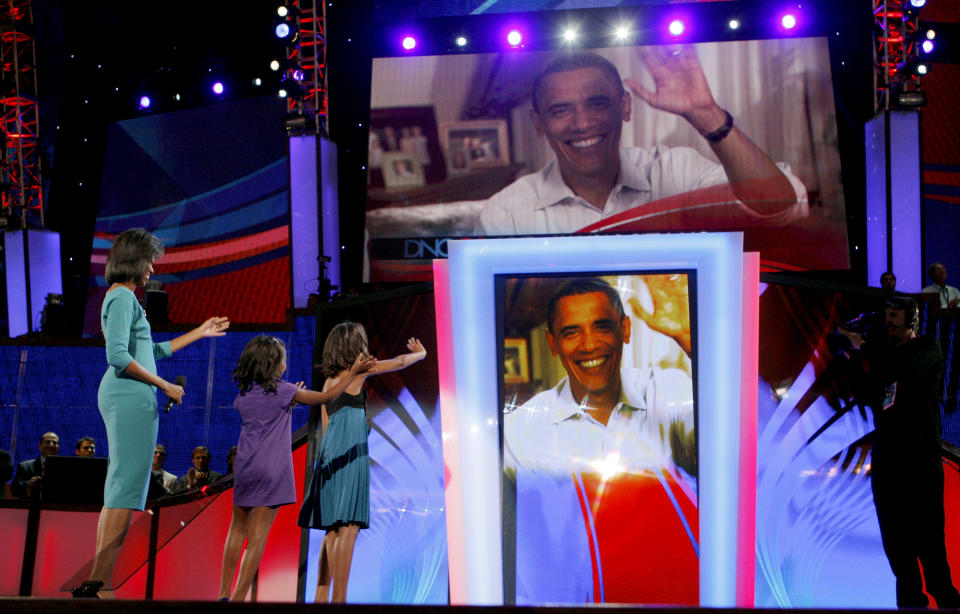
<point>217,88</point>
<point>408,43</point>
<point>461,41</point>
<point>514,38</point>
<point>927,46</point>
<point>145,102</point>
<point>734,24</point>
<point>789,21</point>
<point>282,30</point>
<point>676,27</point>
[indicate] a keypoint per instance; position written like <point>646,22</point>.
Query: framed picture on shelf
<point>516,361</point>
<point>408,130</point>
<point>483,140</point>
<point>402,170</point>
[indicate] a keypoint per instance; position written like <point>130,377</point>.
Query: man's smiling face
<point>581,112</point>
<point>588,335</point>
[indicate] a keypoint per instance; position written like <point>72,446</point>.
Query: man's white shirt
<point>541,203</point>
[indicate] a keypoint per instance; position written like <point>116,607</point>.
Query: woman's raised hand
<point>214,327</point>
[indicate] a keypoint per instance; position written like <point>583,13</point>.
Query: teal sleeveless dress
<point>339,493</point>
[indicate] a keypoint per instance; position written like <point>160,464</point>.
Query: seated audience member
<point>232,454</point>
<point>888,282</point>
<point>6,471</point>
<point>168,479</point>
<point>200,474</point>
<point>30,472</point>
<point>949,296</point>
<point>87,446</point>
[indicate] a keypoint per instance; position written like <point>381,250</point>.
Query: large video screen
<point>599,443</point>
<point>459,146</point>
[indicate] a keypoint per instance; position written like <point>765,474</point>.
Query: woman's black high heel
<point>87,590</point>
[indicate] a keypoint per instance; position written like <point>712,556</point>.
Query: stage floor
<point>123,606</point>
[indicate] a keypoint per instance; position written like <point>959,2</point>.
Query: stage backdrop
<point>818,541</point>
<point>212,183</point>
<point>402,557</point>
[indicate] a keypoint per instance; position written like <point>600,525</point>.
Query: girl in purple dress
<point>263,468</point>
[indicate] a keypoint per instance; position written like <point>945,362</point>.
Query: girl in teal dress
<point>338,499</point>
<point>127,401</point>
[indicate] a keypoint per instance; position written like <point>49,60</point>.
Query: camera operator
<point>901,381</point>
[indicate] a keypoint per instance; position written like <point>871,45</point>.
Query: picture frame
<point>484,140</point>
<point>402,170</point>
<point>458,160</point>
<point>516,361</point>
<point>410,130</point>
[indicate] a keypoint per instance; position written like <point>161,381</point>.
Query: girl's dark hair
<point>131,253</point>
<point>345,342</point>
<point>260,363</point>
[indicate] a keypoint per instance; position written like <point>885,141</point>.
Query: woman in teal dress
<point>338,499</point>
<point>127,397</point>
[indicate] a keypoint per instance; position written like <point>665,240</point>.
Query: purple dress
<point>263,469</point>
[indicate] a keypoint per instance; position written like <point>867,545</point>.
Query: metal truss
<point>309,64</point>
<point>21,185</point>
<point>896,45</point>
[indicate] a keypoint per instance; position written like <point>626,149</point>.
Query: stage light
<point>144,102</point>
<point>282,93</point>
<point>408,43</point>
<point>287,30</point>
<point>257,82</point>
<point>274,65</point>
<point>931,34</point>
<point>569,35</point>
<point>676,27</point>
<point>461,41</point>
<point>789,21</point>
<point>282,11</point>
<point>734,24</point>
<point>217,88</point>
<point>922,68</point>
<point>917,3</point>
<point>621,32</point>
<point>176,97</point>
<point>927,46</point>
<point>514,38</point>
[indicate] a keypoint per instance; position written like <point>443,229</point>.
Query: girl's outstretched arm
<point>360,367</point>
<point>416,354</point>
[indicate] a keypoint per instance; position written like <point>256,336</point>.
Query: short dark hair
<point>131,253</point>
<point>584,285</point>
<point>909,308</point>
<point>260,363</point>
<point>200,449</point>
<point>344,343</point>
<point>575,60</point>
<point>887,274</point>
<point>83,439</point>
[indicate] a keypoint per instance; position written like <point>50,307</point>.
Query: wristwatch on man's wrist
<point>721,133</point>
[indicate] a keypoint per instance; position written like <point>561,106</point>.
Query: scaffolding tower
<point>309,61</point>
<point>21,185</point>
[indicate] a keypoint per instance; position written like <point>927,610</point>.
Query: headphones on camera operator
<point>909,307</point>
